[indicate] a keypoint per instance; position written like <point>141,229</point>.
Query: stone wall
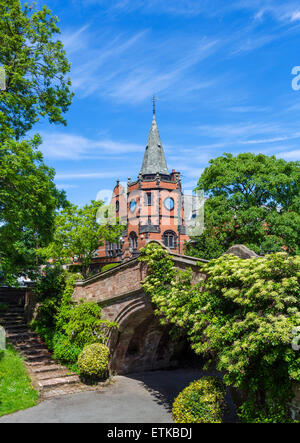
<point>122,280</point>
<point>140,343</point>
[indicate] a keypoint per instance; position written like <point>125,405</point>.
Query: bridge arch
<point>141,342</point>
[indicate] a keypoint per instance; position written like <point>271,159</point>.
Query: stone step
<point>58,382</point>
<point>11,314</point>
<point>13,321</point>
<point>64,390</point>
<point>28,353</point>
<point>16,326</point>
<point>37,363</point>
<point>52,378</point>
<point>12,318</point>
<point>12,331</point>
<point>58,373</point>
<point>17,336</point>
<point>15,309</point>
<point>26,341</point>
<point>40,357</point>
<point>9,301</point>
<point>29,346</point>
<point>37,369</point>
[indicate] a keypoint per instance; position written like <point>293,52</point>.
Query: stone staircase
<point>49,377</point>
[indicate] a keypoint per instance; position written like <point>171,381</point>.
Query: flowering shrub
<point>201,402</point>
<point>241,316</point>
<point>93,361</point>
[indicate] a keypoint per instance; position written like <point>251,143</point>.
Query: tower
<point>153,207</point>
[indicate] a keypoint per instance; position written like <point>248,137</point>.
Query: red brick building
<point>151,207</point>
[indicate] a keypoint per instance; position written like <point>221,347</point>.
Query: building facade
<point>151,207</point>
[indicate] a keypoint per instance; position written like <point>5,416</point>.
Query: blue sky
<point>221,71</point>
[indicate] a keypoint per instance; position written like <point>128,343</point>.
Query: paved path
<point>141,398</point>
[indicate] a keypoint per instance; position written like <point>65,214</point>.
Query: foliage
<point>82,324</point>
<point>253,200</point>
<point>109,266</point>
<point>64,350</point>
<point>241,316</point>
<point>49,290</point>
<point>36,86</point>
<point>200,402</point>
<point>16,391</point>
<point>64,326</point>
<point>93,361</point>
<point>78,234</point>
<point>28,200</point>
<point>36,67</point>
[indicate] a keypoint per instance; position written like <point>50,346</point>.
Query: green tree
<point>35,65</point>
<point>244,317</point>
<point>28,201</point>
<point>78,233</point>
<point>253,200</point>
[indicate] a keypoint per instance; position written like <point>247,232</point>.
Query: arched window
<point>170,239</point>
<point>133,241</point>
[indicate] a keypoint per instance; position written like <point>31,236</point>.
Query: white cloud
<point>74,41</point>
<point>289,155</point>
<point>295,16</point>
<point>71,146</point>
<point>130,68</point>
<point>88,175</point>
<point>66,186</point>
<point>269,140</point>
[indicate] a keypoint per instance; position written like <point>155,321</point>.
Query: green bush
<point>201,402</point>
<point>109,266</point>
<point>65,327</point>
<point>83,325</point>
<point>93,361</point>
<point>64,350</point>
<point>49,289</point>
<point>242,316</point>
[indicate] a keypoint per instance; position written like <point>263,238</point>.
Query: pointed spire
<point>154,157</point>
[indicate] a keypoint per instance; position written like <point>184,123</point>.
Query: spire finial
<point>154,100</point>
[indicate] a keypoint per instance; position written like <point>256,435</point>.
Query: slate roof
<point>154,157</point>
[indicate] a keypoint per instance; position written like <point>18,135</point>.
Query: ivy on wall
<point>241,317</point>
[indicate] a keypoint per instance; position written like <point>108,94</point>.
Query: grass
<point>16,391</point>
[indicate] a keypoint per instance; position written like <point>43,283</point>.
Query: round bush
<point>200,402</point>
<point>93,361</point>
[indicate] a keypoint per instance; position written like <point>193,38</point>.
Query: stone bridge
<point>140,343</point>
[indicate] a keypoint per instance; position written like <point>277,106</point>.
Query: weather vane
<point>154,100</point>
